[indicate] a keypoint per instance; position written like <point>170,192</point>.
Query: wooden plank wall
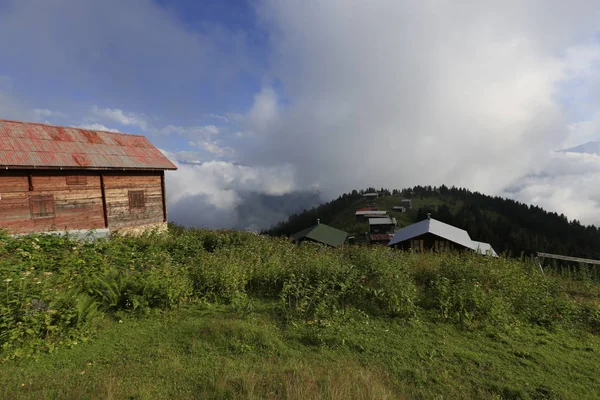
<point>117,187</point>
<point>76,206</point>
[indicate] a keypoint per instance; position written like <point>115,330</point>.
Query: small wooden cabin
<point>56,178</point>
<point>323,234</point>
<point>382,225</point>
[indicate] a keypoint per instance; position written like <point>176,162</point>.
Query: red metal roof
<point>368,209</point>
<point>32,145</point>
<point>377,237</point>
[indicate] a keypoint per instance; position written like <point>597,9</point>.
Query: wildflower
<point>120,321</point>
<point>22,384</point>
<point>82,372</point>
<point>26,273</point>
<point>38,305</point>
<point>89,363</point>
<point>8,280</point>
<point>48,273</point>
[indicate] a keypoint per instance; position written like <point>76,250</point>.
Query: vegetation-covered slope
<point>508,225</point>
<point>235,315</point>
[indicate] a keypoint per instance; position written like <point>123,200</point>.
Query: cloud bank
<point>352,94</point>
<point>396,93</point>
<point>220,194</point>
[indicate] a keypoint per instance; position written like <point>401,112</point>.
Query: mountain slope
<point>511,227</point>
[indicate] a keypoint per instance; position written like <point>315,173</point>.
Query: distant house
<point>362,215</point>
<point>431,234</point>
<point>380,238</point>
<point>56,179</point>
<point>406,203</point>
<point>401,209</point>
<point>323,234</point>
<point>382,225</point>
<point>371,195</point>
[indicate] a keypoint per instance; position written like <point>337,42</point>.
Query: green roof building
<point>323,234</point>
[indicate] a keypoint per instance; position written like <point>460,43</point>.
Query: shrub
<point>54,288</point>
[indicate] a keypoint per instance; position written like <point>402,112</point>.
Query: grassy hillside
<point>234,315</point>
<point>511,227</point>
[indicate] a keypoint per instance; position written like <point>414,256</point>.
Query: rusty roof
<point>33,145</point>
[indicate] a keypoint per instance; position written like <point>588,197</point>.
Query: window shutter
<point>42,206</point>
<point>136,200</point>
<point>76,180</point>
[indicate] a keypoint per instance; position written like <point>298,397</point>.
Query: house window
<point>42,206</point>
<point>76,180</point>
<point>136,200</point>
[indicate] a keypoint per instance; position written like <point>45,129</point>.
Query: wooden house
<point>406,203</point>
<point>323,234</point>
<point>380,238</point>
<point>431,234</point>
<point>364,214</point>
<point>382,225</point>
<point>56,178</point>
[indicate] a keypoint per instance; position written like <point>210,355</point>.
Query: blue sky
<point>280,97</point>
<point>169,62</point>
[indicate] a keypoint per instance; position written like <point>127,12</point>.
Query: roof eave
<point>11,167</point>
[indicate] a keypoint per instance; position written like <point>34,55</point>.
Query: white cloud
<point>226,194</point>
<point>119,116</point>
<point>263,114</point>
<point>396,93</point>
<point>582,132</point>
<point>218,117</point>
<point>185,156</point>
<point>40,113</point>
<point>234,116</point>
<point>214,148</point>
<point>569,184</point>
<point>190,132</point>
<point>221,180</point>
<point>96,127</point>
<point>142,56</point>
<point>387,93</point>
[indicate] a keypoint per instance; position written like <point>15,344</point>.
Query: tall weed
<point>53,288</point>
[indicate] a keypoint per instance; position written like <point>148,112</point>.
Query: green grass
<point>226,315</point>
<point>217,352</point>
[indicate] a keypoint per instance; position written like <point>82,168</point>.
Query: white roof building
<point>444,231</point>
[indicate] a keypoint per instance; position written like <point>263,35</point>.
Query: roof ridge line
<point>70,127</point>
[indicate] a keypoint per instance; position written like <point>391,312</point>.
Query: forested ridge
<point>510,226</point>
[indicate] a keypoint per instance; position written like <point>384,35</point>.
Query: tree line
<point>509,226</point>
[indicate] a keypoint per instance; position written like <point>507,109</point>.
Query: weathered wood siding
<point>427,242</point>
<point>120,214</point>
<point>75,206</point>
